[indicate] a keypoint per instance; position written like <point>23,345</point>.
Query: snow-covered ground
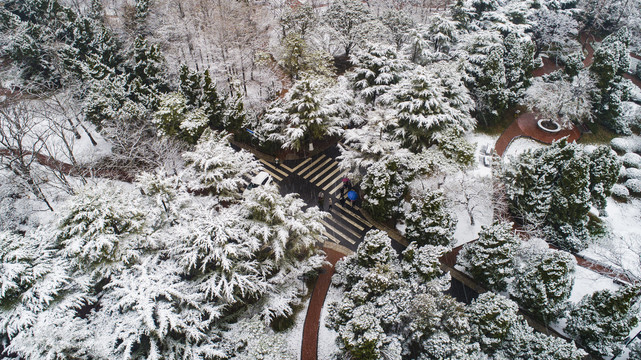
<point>480,177</point>
<point>327,337</point>
<point>622,248</point>
<point>586,282</point>
<point>294,335</point>
<point>482,142</point>
<point>520,145</point>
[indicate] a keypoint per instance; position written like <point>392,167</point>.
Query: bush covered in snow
<point>626,144</point>
<point>634,186</point>
<point>632,160</point>
<point>631,173</point>
<point>620,192</point>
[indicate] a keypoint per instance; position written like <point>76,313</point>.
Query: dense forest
<point>131,132</point>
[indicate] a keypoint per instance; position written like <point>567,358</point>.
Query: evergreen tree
<point>490,259</point>
<point>441,34</point>
<point>102,230</point>
<point>604,173</point>
<point>376,69</point>
<point>542,285</point>
<point>34,279</point>
<point>550,189</point>
<point>492,318</point>
<point>611,60</point>
<point>602,320</point>
<point>299,59</point>
<point>146,77</point>
<point>173,119</point>
<point>384,186</point>
<point>396,309</point>
<point>216,168</point>
<point>492,100</point>
<point>567,217</point>
<point>289,239</point>
<point>428,222</point>
<point>312,110</point>
<point>429,103</point>
<point>519,64</point>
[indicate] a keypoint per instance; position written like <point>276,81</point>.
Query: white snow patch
<point>587,281</point>
<point>483,141</point>
<point>521,145</point>
<point>294,335</point>
<point>621,250</point>
<point>327,337</point>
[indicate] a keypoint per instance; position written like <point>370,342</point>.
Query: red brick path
<point>309,347</point>
<point>526,125</point>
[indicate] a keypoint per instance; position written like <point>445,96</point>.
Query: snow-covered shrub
<point>543,283</point>
<point>634,186</point>
<point>490,259</point>
<point>632,160</point>
<point>632,173</point>
<point>620,192</point>
<point>428,221</point>
<point>626,144</point>
<point>601,321</point>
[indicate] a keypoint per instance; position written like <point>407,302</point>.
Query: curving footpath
<point>309,346</point>
<point>526,126</point>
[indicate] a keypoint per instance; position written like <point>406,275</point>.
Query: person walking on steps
<point>321,200</point>
<point>331,202</point>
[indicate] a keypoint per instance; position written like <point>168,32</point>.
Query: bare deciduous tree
<point>469,191</point>
<point>22,137</point>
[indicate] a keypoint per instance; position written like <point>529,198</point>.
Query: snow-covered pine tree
<point>376,68</point>
<point>602,320</point>
<point>150,312</point>
<point>492,317</point>
<point>216,250</point>
<point>549,189</point>
<point>174,118</point>
<point>312,109</point>
<point>611,60</point>
<point>604,173</point>
<point>490,259</point>
<point>384,186</point>
<point>145,72</point>
<point>526,344</point>
<point>428,221</point>
<point>567,218</point>
<point>482,53</point>
<point>519,64</point>
<point>37,288</point>
<point>215,167</point>
<point>542,284</point>
<point>397,309</point>
<point>102,230</point>
<point>442,34</point>
<point>429,102</point>
<point>289,239</point>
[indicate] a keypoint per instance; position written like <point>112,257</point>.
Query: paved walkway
<point>309,347</point>
<point>526,126</point>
